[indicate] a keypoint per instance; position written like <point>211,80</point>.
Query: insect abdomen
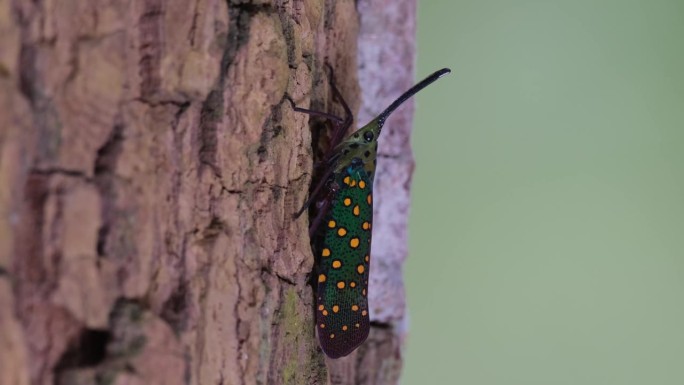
<point>344,250</point>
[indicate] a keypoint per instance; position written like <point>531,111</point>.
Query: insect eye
<point>368,135</point>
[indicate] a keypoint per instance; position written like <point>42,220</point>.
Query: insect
<point>342,229</point>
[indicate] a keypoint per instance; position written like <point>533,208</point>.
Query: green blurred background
<point>547,227</point>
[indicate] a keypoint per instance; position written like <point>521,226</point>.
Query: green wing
<point>344,255</point>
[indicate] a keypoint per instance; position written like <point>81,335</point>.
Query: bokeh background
<point>547,226</point>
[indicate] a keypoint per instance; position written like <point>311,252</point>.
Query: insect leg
<point>333,118</point>
<point>340,128</point>
<point>343,126</point>
<point>322,211</point>
<point>315,192</point>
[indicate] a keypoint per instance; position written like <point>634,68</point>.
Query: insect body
<point>342,228</point>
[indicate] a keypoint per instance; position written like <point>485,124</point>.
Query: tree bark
<point>150,164</point>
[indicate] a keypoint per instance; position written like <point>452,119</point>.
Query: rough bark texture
<point>150,164</point>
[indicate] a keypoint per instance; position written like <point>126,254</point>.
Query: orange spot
<point>344,328</point>
<point>355,307</point>
<point>360,269</point>
<point>337,264</point>
<point>369,199</point>
<point>367,258</point>
<point>357,325</point>
<point>354,243</point>
<point>321,278</point>
<point>321,307</point>
<point>363,292</point>
<point>341,231</point>
<point>352,284</point>
<point>332,335</point>
<point>366,225</point>
<point>336,308</point>
<point>363,313</point>
<point>347,201</point>
<point>340,285</point>
<point>356,210</point>
<point>325,252</point>
<point>362,184</point>
<point>322,326</point>
<point>332,224</point>
<point>325,312</point>
<point>353,183</point>
<point>346,179</point>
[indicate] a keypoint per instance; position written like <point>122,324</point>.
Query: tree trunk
<point>150,164</point>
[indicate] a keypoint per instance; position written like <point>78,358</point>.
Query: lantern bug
<point>342,228</point>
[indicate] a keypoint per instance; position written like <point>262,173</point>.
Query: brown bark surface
<point>150,164</point>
